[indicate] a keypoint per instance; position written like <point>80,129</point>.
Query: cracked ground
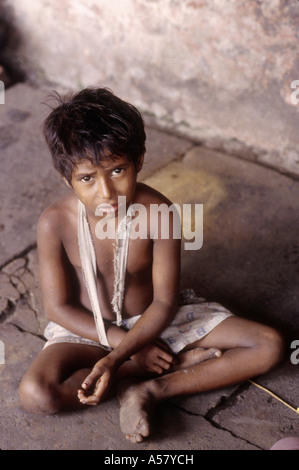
<point>19,294</point>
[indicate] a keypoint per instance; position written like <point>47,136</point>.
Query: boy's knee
<point>272,347</point>
<point>37,398</point>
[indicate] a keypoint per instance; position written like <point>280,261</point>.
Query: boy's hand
<point>156,357</point>
<point>100,379</point>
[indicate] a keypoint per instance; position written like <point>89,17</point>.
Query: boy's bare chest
<point>139,254</point>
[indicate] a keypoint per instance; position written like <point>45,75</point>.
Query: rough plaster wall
<point>218,70</point>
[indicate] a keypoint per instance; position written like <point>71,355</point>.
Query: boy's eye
<point>86,179</point>
<point>118,171</point>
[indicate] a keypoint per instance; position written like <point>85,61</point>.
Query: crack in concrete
<point>19,276</point>
<point>226,401</point>
<point>8,311</point>
<point>233,434</point>
<point>22,254</point>
<point>223,403</point>
<point>22,330</point>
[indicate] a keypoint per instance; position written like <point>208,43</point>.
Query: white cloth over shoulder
<point>89,268</point>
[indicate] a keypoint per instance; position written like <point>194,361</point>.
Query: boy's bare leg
<point>144,402</point>
<point>52,381</point>
<point>249,349</point>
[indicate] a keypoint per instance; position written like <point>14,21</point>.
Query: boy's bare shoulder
<point>59,214</point>
<point>147,195</point>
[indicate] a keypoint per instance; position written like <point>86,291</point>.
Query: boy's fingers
<point>91,400</point>
<point>157,369</point>
<point>81,394</point>
<point>171,359</point>
<point>100,388</point>
<point>87,400</point>
<point>90,379</point>
<point>165,365</point>
<point>83,398</point>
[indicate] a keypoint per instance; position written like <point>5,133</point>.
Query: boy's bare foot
<point>136,402</point>
<point>194,356</point>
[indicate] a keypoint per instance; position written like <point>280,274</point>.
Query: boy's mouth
<point>106,208</point>
<point>112,209</point>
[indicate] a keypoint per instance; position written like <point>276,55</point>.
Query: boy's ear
<point>67,183</point>
<point>140,163</point>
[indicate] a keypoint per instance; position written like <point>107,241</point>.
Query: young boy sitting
<point>112,300</point>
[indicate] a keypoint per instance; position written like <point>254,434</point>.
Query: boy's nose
<point>105,189</point>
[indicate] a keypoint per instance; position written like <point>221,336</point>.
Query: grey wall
<point>219,71</point>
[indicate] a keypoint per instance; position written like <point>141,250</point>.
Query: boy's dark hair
<point>93,124</point>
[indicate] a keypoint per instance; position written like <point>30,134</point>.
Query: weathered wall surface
<point>220,71</point>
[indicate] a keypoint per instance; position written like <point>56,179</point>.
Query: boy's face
<point>97,186</point>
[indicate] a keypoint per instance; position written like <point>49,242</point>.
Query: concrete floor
<point>249,261</point>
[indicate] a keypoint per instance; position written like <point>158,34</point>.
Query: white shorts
<point>194,320</point>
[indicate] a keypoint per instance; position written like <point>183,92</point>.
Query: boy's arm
<point>166,270</point>
<point>55,279</point>
<point>158,315</point>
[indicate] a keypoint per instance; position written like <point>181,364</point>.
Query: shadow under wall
<point>11,69</point>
